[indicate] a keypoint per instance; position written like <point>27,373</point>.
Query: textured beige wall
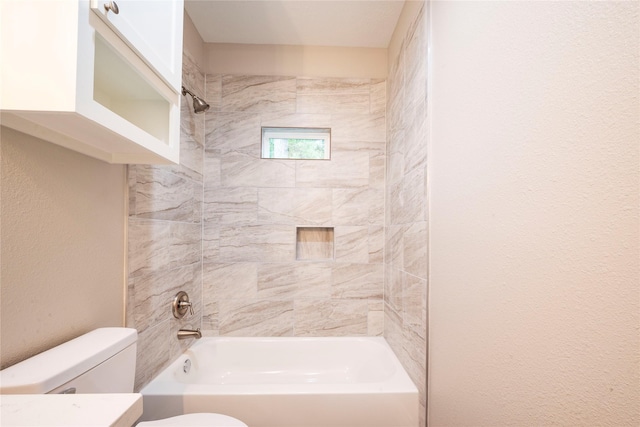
<point>192,43</point>
<point>534,172</point>
<point>307,61</point>
<point>62,245</point>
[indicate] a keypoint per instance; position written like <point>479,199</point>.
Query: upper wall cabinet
<point>153,29</point>
<point>105,84</point>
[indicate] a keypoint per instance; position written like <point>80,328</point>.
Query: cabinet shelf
<point>75,82</point>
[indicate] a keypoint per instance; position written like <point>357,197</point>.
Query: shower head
<point>199,104</point>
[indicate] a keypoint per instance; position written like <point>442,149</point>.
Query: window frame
<point>281,132</point>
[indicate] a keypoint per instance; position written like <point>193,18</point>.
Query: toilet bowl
<point>101,361</point>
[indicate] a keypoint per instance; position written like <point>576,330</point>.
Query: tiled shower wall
<point>252,283</point>
<point>405,286</point>
<point>165,241</point>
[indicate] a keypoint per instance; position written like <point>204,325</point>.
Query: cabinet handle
<point>112,6</point>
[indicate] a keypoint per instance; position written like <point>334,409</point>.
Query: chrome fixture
<point>181,305</point>
<point>199,105</point>
<point>183,334</point>
<point>111,6</point>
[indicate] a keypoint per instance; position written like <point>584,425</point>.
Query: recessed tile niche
<point>314,243</point>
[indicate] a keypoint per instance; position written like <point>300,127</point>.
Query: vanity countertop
<point>70,410</point>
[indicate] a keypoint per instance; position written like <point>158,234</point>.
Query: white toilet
<point>101,361</point>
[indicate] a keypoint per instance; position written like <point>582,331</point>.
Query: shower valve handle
<point>183,304</point>
<point>112,6</point>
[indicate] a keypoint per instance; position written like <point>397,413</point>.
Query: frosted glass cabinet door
<point>150,28</point>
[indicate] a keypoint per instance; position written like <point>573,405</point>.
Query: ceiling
<point>350,23</point>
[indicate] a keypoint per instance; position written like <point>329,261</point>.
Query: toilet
<point>101,361</point>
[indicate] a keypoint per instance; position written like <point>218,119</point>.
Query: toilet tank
<point>101,361</point>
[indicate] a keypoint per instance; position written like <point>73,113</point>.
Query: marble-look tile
<point>331,317</point>
<point>394,241</point>
<point>358,206</point>
<point>313,206</point>
<point>345,169</point>
<point>212,169</point>
<point>415,62</point>
<point>334,103</point>
<point>239,244</point>
<point>413,356</point>
<point>395,99</point>
<point>185,245</point>
<point>166,196</point>
<point>152,354</point>
<point>415,145</point>
<point>414,245</point>
<point>234,132</point>
<point>192,78</point>
<point>395,156</point>
<point>358,127</point>
<point>155,291</point>
<point>406,239</point>
<point>313,173</point>
<point>393,287</point>
<point>357,281</point>
<point>414,202</point>
<point>330,86</point>
<point>131,189</point>
<point>395,201</point>
<point>276,205</point>
<point>376,244</point>
<point>258,93</point>
<point>257,243</point>
<point>413,298</point>
<point>375,323</point>
<point>290,281</point>
<point>210,241</point>
<point>231,205</point>
<point>278,119</point>
<point>191,160</point>
<point>213,93</point>
<point>371,147</point>
<point>377,168</point>
<point>352,244</point>
<point>256,318</point>
<point>148,246</point>
<point>229,281</point>
<point>393,330</point>
<point>241,170</point>
<point>130,321</point>
<point>378,96</point>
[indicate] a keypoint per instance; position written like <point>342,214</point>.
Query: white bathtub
<point>288,382</point>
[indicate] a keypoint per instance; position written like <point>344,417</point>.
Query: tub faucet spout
<point>183,334</point>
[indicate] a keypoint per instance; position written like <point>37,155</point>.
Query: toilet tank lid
<point>52,368</point>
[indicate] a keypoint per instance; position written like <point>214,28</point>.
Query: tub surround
<point>165,239</point>
<point>253,284</point>
<point>406,217</point>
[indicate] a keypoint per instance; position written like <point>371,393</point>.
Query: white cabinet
<point>153,29</point>
<point>71,76</point>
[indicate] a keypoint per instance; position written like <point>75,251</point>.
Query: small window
<point>296,143</point>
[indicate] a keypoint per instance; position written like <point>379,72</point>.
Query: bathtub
<point>288,382</point>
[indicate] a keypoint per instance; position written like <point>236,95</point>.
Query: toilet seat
<point>196,420</point>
